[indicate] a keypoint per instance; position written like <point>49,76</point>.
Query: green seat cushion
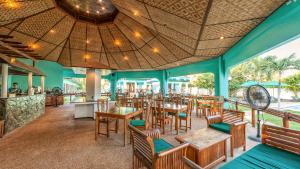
<point>161,145</point>
<point>224,127</point>
<point>266,157</point>
<point>137,123</point>
<point>182,115</point>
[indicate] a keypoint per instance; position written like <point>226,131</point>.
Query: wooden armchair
<point>152,152</point>
<point>231,122</point>
<point>102,106</point>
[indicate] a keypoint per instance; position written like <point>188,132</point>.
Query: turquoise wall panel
<point>52,70</point>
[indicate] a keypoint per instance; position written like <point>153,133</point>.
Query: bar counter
<point>20,110</point>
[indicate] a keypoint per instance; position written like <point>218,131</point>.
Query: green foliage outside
<point>293,83</point>
<point>205,81</point>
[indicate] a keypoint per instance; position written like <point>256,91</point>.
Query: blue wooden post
<point>164,82</point>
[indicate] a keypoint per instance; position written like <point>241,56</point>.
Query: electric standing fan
<point>259,99</point>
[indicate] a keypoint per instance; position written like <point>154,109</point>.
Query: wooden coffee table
<point>207,146</point>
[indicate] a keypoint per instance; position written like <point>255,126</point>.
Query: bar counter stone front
<point>18,111</point>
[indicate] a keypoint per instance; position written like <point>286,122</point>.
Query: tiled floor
<point>57,141</point>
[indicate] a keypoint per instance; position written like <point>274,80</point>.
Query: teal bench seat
<point>136,123</point>
<point>224,127</point>
<point>161,145</point>
<point>265,157</point>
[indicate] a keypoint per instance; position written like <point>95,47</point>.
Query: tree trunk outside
<point>279,90</point>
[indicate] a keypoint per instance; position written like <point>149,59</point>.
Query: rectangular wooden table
<point>207,146</point>
<point>176,109</point>
<point>124,113</point>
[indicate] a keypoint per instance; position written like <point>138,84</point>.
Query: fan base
<point>256,139</point>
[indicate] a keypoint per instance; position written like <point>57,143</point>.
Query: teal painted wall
<point>52,70</point>
<point>69,73</point>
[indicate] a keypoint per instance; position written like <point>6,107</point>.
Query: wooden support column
<point>4,80</point>
<point>42,84</point>
<point>30,83</point>
<point>285,120</point>
<point>253,118</point>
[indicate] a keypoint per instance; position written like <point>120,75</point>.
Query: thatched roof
<point>145,34</point>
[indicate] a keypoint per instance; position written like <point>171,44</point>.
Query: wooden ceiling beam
<point>16,51</point>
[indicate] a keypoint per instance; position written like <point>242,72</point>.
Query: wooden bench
<point>280,148</point>
<point>1,128</point>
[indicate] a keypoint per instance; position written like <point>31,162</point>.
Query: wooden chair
<point>160,116</point>
<point>186,116</point>
<point>152,152</point>
<point>231,122</point>
<point>143,124</point>
<point>102,106</point>
<point>1,128</point>
<point>189,164</point>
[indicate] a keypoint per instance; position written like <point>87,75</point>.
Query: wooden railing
<point>286,116</point>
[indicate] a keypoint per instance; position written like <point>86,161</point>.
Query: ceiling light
<point>125,57</point>
<point>137,34</point>
<point>52,31</point>
<point>135,13</point>
<point>155,50</point>
<point>222,37</point>
<point>103,8</point>
<point>87,41</point>
<point>99,0</point>
<point>34,46</point>
<point>117,42</point>
<point>86,56</point>
<point>87,11</point>
<point>77,6</point>
<point>97,12</point>
<point>12,60</point>
<point>11,4</point>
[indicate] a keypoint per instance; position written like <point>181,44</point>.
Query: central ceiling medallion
<point>96,11</point>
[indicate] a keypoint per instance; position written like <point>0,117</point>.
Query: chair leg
<point>186,125</point>
<point>117,126</point>
<point>190,122</point>
<point>231,145</point>
<point>107,128</point>
<point>163,126</point>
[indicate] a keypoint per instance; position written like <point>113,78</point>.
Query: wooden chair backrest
<point>138,103</point>
<point>147,114</point>
<point>232,116</point>
<point>142,146</point>
<point>102,105</point>
<point>159,108</point>
<point>190,107</point>
<point>283,138</point>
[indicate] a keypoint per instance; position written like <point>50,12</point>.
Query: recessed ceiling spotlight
<point>125,57</point>
<point>87,41</point>
<point>98,12</point>
<point>77,6</point>
<point>52,31</point>
<point>11,4</point>
<point>117,42</point>
<point>87,11</point>
<point>135,13</point>
<point>222,37</point>
<point>34,46</point>
<point>12,60</point>
<point>103,8</point>
<point>99,0</point>
<point>86,56</point>
<point>155,50</point>
<point>137,34</point>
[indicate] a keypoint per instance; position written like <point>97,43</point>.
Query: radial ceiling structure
<point>131,34</point>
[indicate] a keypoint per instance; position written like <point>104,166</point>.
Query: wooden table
<point>176,109</point>
<point>207,146</point>
<point>124,113</point>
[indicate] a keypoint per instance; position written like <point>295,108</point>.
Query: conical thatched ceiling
<point>145,34</point>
